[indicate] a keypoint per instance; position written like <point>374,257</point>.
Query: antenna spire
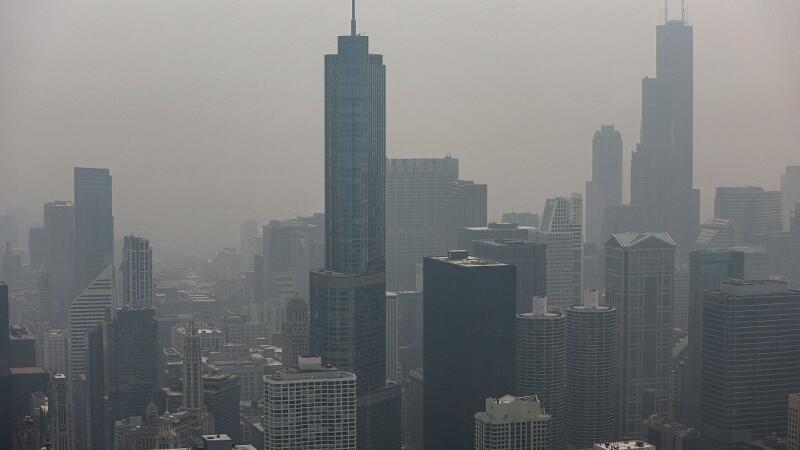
<point>353,20</point>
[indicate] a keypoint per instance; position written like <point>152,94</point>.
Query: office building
<point>54,349</point>
<point>707,269</point>
<point>221,397</point>
<point>60,262</point>
<point>664,434</point>
<point>5,321</point>
<point>512,423</point>
<point>137,273</point>
<point>793,433</point>
<point>59,410</point>
<point>529,259</point>
<point>412,409</point>
<point>493,231</point>
<point>94,224</point>
<point>192,369</point>
<point>526,219</point>
<point>136,433</point>
<point>605,187</point>
<point>392,345</point>
<point>291,248</point>
<point>91,307</point>
<point>751,358</point>
<point>716,233</point>
<point>465,205</point>
<point>561,231</point>
<point>250,242</point>
<point>469,313</point>
<point>680,299</point>
<point>134,361</point>
<point>639,284</point>
<point>540,363</point>
<point>790,192</point>
<point>296,334</point>
<point>409,331</point>
<point>311,407</point>
<point>591,376</point>
<point>37,247</point>
<point>752,211</point>
<point>662,164</point>
<point>416,190</point>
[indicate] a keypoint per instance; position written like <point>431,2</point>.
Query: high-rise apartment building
<point>134,361</point>
<point>59,410</point>
<point>562,231</point>
<point>793,433</point>
<point>348,297</point>
<point>94,223</point>
<point>296,335</point>
<point>662,165</point>
<point>90,309</point>
<point>221,397</point>
<point>311,407</point>
<point>416,190</point>
<point>591,377</point>
<point>790,192</point>
<point>469,312</point>
<point>540,363</point>
<point>707,269</point>
<point>605,188</point>
<point>529,259</point>
<point>137,272</point>
<point>751,358</point>
<point>512,423</point>
<point>752,211</point>
<point>639,284</point>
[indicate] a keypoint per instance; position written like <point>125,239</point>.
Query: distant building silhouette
<point>752,211</point>
<point>94,223</point>
<point>605,187</point>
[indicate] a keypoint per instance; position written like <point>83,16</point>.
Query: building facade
<point>752,211</point>
<point>94,223</point>
<point>137,272</point>
<point>90,309</point>
<point>529,259</point>
<point>605,187</point>
<point>512,423</point>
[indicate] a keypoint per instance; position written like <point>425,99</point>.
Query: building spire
<point>353,20</point>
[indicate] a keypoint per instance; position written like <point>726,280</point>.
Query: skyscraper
<point>605,188</point>
<point>529,259</point>
<point>751,210</point>
<point>54,347</point>
<point>94,223</point>
<point>192,369</point>
<point>392,344</point>
<point>707,269</point>
<point>751,358</point>
<point>296,337</point>
<point>221,397</point>
<point>85,313</point>
<point>793,434</point>
<point>60,406</point>
<point>60,262</point>
<point>662,165</point>
<point>137,273</point>
<point>4,321</point>
<point>348,297</point>
<point>512,423</point>
<point>310,407</point>
<point>591,404</point>
<point>639,275</point>
<point>134,361</point>
<point>469,310</point>
<point>562,231</point>
<point>790,192</point>
<point>540,363</point>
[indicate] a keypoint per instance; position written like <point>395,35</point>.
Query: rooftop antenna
<point>353,20</point>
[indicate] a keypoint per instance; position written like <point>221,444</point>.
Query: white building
<point>311,407</point>
<point>137,272</point>
<point>85,313</point>
<point>54,349</point>
<point>512,423</point>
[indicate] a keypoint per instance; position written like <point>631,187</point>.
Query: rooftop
<point>633,239</point>
<point>624,445</point>
<point>742,288</point>
<point>461,258</point>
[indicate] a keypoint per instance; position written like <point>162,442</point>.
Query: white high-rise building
<point>562,231</point>
<point>311,407</point>
<point>59,412</point>
<point>55,348</point>
<point>137,272</point>
<point>85,313</point>
<point>512,423</point>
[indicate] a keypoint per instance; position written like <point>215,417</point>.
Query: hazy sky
<point>210,111</point>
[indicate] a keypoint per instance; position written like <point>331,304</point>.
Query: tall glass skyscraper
<point>94,223</point>
<point>348,297</point>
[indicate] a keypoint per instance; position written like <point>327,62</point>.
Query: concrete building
<point>137,272</point>
<point>707,269</point>
<point>529,259</point>
<point>467,236</point>
<point>540,363</point>
<point>91,307</point>
<point>512,423</point>
<point>55,348</point>
<point>662,165</point>
<point>59,410</point>
<point>751,358</point>
<point>250,241</point>
<point>790,192</point>
<point>752,211</point>
<point>639,284</point>
<point>793,433</point>
<point>605,187</point>
<point>192,369</point>
<point>562,232</point>
<point>94,223</point>
<point>469,310</point>
<point>591,375</point>
<point>392,344</point>
<point>221,397</point>
<point>296,333</point>
<point>311,407</point>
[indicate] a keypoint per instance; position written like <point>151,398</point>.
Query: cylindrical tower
<point>591,407</point>
<point>541,363</point>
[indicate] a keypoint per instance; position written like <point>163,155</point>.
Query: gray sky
<point>210,111</point>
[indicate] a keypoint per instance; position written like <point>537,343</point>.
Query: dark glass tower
<point>94,223</point>
<point>605,189</point>
<point>469,311</point>
<point>134,360</point>
<point>661,168</point>
<point>348,297</point>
